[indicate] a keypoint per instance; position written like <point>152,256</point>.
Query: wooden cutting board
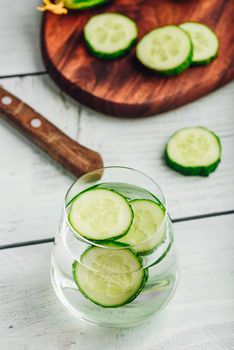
<point>122,87</point>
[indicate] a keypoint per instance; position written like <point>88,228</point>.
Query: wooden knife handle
<point>70,154</point>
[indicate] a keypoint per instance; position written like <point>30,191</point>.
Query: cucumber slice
<point>100,214</point>
<point>204,40</point>
<point>166,50</point>
<point>105,276</point>
<point>110,35</point>
<point>193,151</point>
<point>83,4</point>
<point>148,217</point>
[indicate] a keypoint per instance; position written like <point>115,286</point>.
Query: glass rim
<point>102,245</point>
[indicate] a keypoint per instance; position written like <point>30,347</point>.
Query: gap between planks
<point>51,240</point>
<point>22,75</point>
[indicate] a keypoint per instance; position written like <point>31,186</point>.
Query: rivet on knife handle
<point>70,154</point>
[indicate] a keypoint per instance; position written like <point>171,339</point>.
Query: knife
<point>71,155</point>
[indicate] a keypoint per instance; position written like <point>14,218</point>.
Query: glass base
<point>153,299</point>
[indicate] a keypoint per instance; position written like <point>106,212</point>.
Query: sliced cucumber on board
<point>204,40</point>
<point>109,277</point>
<point>110,35</point>
<point>83,4</point>
<point>193,151</point>
<point>100,214</point>
<point>166,50</point>
<point>147,230</point>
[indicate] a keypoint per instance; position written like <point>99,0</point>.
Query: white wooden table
<point>32,187</point>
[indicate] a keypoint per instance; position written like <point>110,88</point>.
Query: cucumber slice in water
<point>110,35</point>
<point>204,40</point>
<point>193,151</point>
<point>166,50</point>
<point>83,4</point>
<point>100,214</point>
<point>105,276</point>
<point>148,219</point>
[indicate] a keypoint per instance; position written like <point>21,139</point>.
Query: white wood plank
<point>201,315</point>
<point>140,144</point>
<point>33,186</point>
<point>19,37</point>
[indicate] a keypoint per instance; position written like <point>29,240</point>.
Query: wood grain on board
<point>122,87</point>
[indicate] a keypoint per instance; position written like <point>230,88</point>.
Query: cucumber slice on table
<point>83,4</point>
<point>105,276</point>
<point>143,235</point>
<point>110,35</point>
<point>100,214</point>
<point>166,50</point>
<point>205,42</point>
<point>193,151</point>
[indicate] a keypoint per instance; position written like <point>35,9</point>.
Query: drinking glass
<point>160,263</point>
